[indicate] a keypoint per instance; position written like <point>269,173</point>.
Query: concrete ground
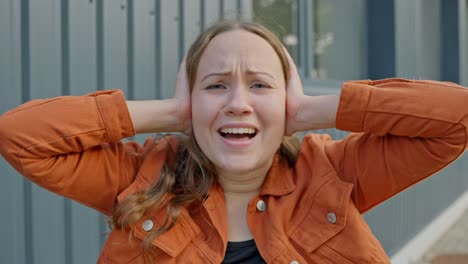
<point>452,247</point>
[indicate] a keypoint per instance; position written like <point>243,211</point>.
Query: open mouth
<point>238,133</point>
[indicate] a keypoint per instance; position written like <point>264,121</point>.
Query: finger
<point>182,87</point>
<point>292,65</point>
<point>294,84</point>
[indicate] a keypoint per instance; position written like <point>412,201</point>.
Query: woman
<point>237,190</point>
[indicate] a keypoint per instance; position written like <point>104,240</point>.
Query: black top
<point>244,252</point>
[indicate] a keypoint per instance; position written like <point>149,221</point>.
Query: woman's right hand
<point>182,99</point>
<point>168,115</point>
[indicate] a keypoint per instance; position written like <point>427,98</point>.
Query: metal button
<point>261,205</point>
<point>331,217</point>
<point>147,225</point>
<point>294,262</point>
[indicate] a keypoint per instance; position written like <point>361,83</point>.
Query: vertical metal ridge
<point>25,54</point>
<point>68,236</point>
<point>130,51</point>
<point>202,15</point>
<point>221,9</point>
<point>26,96</point>
<point>381,39</point>
<point>450,42</point>
<point>157,48</point>
<point>100,44</point>
<point>28,232</point>
<point>65,82</point>
<point>181,26</point>
<point>65,47</point>
<point>238,10</point>
<point>463,41</point>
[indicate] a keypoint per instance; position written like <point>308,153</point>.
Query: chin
<point>240,166</point>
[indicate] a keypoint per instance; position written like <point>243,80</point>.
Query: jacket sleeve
<point>404,130</point>
<point>71,145</point>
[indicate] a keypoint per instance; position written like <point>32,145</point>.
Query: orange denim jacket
<point>404,131</point>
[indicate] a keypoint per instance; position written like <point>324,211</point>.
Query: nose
<point>238,101</point>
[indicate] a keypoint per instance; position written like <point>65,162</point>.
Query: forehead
<point>239,48</point>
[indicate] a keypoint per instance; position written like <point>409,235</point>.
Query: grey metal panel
<point>169,43</point>
<point>47,215</point>
<point>12,241</point>
<point>144,50</point>
<point>86,234</point>
<point>429,49</point>
<point>211,8</point>
<point>191,12</point>
<point>229,9</point>
<point>12,220</point>
<point>82,47</point>
<point>350,41</point>
<point>246,10</point>
<point>450,41</point>
<point>115,45</point>
<point>10,55</point>
<point>407,38</point>
<point>463,40</point>
<point>381,39</point>
<point>82,223</point>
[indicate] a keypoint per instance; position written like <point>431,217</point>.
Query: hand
<point>182,99</point>
<point>295,99</point>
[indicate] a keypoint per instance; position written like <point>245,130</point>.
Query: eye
<point>215,86</point>
<point>258,85</point>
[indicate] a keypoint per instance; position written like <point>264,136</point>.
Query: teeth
<point>238,130</point>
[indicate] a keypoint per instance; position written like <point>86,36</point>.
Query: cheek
<point>203,116</point>
<point>199,107</point>
<point>275,109</point>
<point>197,113</point>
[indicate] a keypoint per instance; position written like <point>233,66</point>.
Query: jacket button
<point>294,262</point>
<point>147,225</point>
<point>261,205</point>
<point>331,217</point>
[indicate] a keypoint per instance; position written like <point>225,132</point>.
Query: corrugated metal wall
<point>52,47</point>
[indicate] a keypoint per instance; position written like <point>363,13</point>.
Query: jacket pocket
<point>121,248</point>
<point>174,240</point>
<point>326,216</point>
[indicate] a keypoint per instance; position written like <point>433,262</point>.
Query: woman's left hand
<point>303,112</point>
<point>295,98</point>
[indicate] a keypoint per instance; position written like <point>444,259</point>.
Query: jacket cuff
<point>115,115</point>
<point>352,107</point>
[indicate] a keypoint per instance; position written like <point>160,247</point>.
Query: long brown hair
<point>191,176</point>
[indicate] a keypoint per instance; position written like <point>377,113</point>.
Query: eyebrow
<point>250,72</point>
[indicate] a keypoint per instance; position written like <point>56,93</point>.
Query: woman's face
<point>238,102</point>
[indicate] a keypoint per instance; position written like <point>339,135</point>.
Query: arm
<point>406,131</point>
<point>71,145</point>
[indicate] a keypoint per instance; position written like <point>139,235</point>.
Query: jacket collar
<point>279,180</point>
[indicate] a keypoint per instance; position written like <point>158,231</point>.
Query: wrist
<point>318,112</point>
<point>155,116</point>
